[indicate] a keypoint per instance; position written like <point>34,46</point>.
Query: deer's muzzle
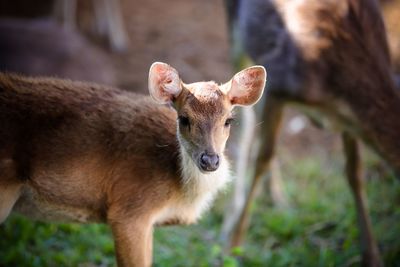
<point>209,162</point>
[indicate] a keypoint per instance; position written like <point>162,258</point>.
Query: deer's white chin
<point>193,174</point>
<point>205,172</point>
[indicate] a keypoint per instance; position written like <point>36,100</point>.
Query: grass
<point>318,229</point>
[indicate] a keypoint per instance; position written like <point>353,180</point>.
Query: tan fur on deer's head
<point>205,108</point>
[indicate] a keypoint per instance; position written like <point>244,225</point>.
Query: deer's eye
<point>228,122</point>
<point>184,121</point>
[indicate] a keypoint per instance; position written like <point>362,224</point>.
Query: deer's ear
<point>247,86</point>
<point>164,83</point>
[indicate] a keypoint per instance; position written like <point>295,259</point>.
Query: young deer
<point>79,152</point>
<point>331,57</point>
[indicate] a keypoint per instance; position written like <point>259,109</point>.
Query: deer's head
<point>205,108</point>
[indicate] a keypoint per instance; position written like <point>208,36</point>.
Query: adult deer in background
<point>59,52</point>
<point>331,57</point>
<point>79,152</point>
<point>101,18</point>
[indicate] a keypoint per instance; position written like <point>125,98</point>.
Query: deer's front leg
<point>9,194</point>
<point>133,242</point>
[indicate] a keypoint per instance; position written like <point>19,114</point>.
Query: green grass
<point>318,229</point>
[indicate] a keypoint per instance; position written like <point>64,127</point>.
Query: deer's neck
<point>199,188</point>
<point>197,191</point>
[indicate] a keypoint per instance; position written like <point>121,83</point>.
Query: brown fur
<point>62,136</point>
<point>364,84</point>
<point>85,153</point>
<point>80,152</point>
<point>331,57</point>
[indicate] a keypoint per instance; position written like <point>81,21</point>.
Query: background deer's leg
<point>275,185</point>
<point>270,123</point>
<point>65,12</point>
<point>369,248</point>
<point>110,24</point>
<point>236,203</point>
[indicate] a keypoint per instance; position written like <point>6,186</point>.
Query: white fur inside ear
<point>164,82</point>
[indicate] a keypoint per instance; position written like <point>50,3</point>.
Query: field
<point>318,229</point>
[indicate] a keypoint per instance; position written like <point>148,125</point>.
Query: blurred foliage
<point>319,228</point>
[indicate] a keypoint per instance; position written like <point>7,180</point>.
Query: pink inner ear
<point>162,74</point>
<point>165,82</point>
<point>251,78</point>
<point>247,86</point>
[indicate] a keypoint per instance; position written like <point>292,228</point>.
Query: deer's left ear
<point>247,86</point>
<point>164,83</point>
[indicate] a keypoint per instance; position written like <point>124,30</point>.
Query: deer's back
<point>78,141</point>
<point>333,56</point>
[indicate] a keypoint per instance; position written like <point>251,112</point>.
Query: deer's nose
<point>209,162</point>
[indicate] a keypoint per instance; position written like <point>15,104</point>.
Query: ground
<point>318,228</point>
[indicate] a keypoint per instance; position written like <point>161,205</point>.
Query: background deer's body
<point>330,57</point>
<point>53,54</point>
<point>72,151</point>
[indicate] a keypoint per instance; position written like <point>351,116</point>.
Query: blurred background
<point>114,42</point>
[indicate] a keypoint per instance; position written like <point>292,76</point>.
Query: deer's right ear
<point>164,83</point>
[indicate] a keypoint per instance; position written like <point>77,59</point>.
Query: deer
<point>53,54</point>
<point>81,152</point>
<point>101,19</point>
<point>330,58</point>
